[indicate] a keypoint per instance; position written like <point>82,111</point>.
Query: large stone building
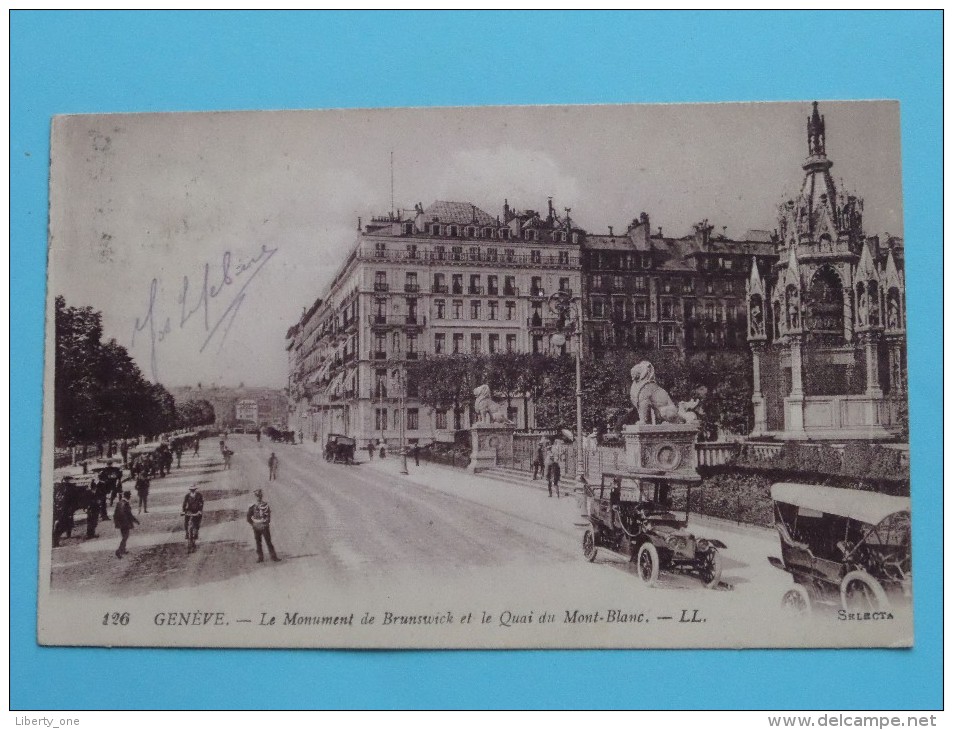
<point>645,291</point>
<point>827,322</point>
<point>442,280</point>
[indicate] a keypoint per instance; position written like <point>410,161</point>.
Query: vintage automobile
<point>634,514</point>
<point>339,448</point>
<point>844,548</point>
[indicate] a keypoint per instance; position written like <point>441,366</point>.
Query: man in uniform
<point>124,519</point>
<point>259,517</point>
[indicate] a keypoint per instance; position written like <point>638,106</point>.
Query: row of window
<point>491,254</point>
<point>452,230</point>
<point>667,286</point>
<point>413,418</point>
<point>628,261</point>
<point>474,285</point>
<point>641,337</point>
<point>639,309</point>
<point>457,343</point>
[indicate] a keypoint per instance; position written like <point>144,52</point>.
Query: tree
<point>99,391</point>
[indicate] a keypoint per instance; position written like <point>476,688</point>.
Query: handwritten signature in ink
<point>227,282</point>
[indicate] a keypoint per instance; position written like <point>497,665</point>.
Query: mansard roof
<point>464,214</point>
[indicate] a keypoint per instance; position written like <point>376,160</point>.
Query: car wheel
<point>797,601</point>
<point>859,591</point>
<point>647,563</point>
<point>710,570</point>
<point>589,550</point>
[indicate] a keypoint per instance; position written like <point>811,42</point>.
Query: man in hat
<point>94,504</point>
<point>259,517</point>
<point>272,467</point>
<point>124,519</point>
<point>192,507</point>
<point>64,504</point>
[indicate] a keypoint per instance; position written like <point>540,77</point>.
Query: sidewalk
<point>557,514</point>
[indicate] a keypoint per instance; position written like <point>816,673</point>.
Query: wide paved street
<point>363,538</point>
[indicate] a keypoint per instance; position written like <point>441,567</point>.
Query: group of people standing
<point>547,460</point>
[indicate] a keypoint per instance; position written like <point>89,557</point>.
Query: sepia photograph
<point>593,376</point>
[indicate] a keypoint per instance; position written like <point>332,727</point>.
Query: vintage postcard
<point>527,377</point>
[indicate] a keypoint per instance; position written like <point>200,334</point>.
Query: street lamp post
<point>399,380</point>
<point>564,305</point>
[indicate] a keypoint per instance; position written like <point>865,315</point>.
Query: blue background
<point>64,62</point>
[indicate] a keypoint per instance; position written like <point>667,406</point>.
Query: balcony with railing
<point>475,290</point>
<point>542,322</point>
<point>467,257</point>
<point>537,292</point>
<point>511,291</point>
<point>379,355</point>
<point>411,288</point>
<point>440,289</point>
<point>381,286</point>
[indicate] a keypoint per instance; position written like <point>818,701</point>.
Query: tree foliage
<point>99,391</point>
<point>720,380</point>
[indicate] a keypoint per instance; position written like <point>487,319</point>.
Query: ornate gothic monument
<point>826,322</point>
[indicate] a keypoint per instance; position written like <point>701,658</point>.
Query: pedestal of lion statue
<point>669,447</point>
<point>491,444</point>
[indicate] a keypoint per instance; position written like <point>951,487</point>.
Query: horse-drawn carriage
<point>340,449</point>
<point>638,514</point>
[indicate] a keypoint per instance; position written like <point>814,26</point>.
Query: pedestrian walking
<point>370,451</point>
<point>124,519</point>
<point>383,452</point>
<point>93,508</point>
<point>272,467</point>
<point>258,435</point>
<point>539,458</point>
<point>65,496</point>
<point>300,437</point>
<point>178,455</point>
<point>259,517</point>
<point>142,491</point>
<point>124,450</point>
<point>197,442</point>
<point>227,455</point>
<point>555,454</point>
<point>102,491</point>
<point>415,450</point>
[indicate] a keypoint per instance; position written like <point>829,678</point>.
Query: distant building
<point>827,322</point>
<point>270,404</point>
<point>442,280</point>
<point>246,410</point>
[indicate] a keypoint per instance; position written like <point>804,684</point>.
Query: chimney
<point>703,234</point>
<point>551,215</point>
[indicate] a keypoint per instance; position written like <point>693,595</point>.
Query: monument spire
<point>815,134</point>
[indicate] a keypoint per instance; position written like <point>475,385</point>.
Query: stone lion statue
<point>650,399</point>
<point>488,410</point>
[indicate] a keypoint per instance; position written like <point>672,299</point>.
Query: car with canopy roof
<point>845,548</point>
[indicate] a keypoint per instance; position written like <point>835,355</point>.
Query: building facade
<point>246,411</point>
<point>827,323</point>
<point>644,291</point>
<point>448,279</point>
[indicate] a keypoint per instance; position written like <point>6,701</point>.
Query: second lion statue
<point>488,410</point>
